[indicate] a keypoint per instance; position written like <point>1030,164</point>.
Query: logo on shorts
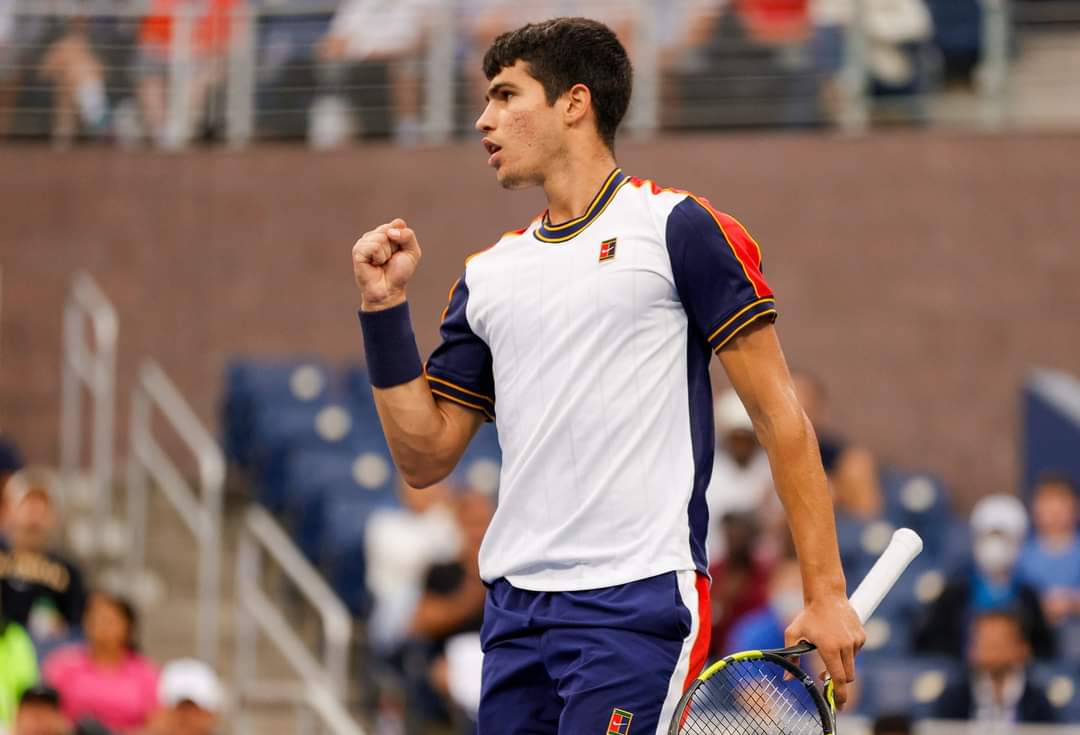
<point>607,249</point>
<point>619,724</point>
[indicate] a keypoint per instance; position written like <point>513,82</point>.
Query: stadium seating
<point>918,500</point>
<point>1061,682</point>
<point>311,442</point>
<point>251,384</point>
<point>890,684</point>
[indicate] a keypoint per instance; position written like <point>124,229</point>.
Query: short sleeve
<point>459,369</point>
<point>718,271</point>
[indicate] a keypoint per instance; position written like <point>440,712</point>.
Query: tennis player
<point>586,335</point>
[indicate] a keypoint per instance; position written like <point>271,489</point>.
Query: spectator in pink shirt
<point>105,678</point>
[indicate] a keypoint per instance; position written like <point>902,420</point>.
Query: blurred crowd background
<point>170,72</point>
<point>910,167</point>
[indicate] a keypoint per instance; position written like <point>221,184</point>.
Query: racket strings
<point>749,697</point>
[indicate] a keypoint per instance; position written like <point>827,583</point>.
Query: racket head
<point>746,694</point>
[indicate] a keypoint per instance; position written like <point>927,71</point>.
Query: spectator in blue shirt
<point>764,627</point>
<point>1050,561</point>
<point>998,524</point>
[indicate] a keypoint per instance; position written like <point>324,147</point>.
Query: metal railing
<point>92,368</point>
<point>322,680</point>
<point>200,508</point>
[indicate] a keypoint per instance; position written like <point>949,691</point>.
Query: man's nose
<point>483,123</point>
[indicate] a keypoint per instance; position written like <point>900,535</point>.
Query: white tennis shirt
<point>588,343</point>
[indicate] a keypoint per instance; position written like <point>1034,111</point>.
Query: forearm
<point>426,437</point>
<point>790,442</point>
<point>436,617</point>
<point>419,432</point>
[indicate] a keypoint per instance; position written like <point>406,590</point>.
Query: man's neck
<point>570,189</point>
<point>1057,542</point>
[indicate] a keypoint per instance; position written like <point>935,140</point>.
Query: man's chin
<point>509,180</point>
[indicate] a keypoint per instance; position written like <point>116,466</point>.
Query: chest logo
<point>607,250</point>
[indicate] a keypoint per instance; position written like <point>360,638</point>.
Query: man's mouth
<point>492,149</point>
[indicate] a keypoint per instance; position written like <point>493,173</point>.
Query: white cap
<point>730,413</point>
<point>1001,513</point>
<point>34,479</point>
<point>190,680</point>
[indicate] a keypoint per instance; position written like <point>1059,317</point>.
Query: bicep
<point>461,425</point>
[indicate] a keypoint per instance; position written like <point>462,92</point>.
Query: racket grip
<point>902,549</point>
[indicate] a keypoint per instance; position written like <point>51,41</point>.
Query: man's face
<point>997,646</point>
<point>1054,510</point>
<point>523,134</point>
<point>741,446</point>
<point>29,523</point>
<point>188,718</point>
<point>39,718</point>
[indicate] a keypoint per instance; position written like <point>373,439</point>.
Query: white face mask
<point>995,554</point>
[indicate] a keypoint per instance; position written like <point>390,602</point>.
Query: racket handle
<point>902,549</point>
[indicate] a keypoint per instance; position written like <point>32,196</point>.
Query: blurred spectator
<point>372,45</point>
<point>11,460</point>
<point>191,698</point>
<point>452,604</point>
<point>453,597</point>
<point>9,73</point>
<point>852,469</point>
<point>400,545</point>
<point>895,32</point>
<point>43,591</point>
<point>740,578</point>
<point>996,690</point>
<point>286,74</point>
<point>892,724</point>
<point>18,665</point>
<point>1050,562</point>
<point>958,30</point>
<point>998,525</point>
<point>765,627</point>
<point>39,713</point>
<point>106,678</point>
<point>741,480</point>
<point>209,45</point>
<point>78,80</point>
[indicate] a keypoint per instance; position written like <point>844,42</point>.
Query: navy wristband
<point>390,347</point>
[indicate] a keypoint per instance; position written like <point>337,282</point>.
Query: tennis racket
<point>747,693</point>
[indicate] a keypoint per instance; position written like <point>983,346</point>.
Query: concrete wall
<point>919,274</point>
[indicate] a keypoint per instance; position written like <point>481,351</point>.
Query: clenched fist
<point>384,260</point>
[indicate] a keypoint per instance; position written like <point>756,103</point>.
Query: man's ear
<point>578,103</point>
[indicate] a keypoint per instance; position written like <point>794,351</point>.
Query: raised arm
<point>756,367</point>
<point>426,436</point>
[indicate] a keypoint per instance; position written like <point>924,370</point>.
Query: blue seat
<point>860,544</point>
<point>342,556</point>
<point>281,432</point>
<point>1061,682</point>
<point>317,479</point>
<point>919,501</point>
<point>250,384</point>
<point>890,684</point>
<point>356,388</point>
<point>479,466</point>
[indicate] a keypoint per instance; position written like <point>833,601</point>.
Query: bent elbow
<point>423,475</point>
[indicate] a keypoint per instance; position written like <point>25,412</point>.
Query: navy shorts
<point>611,660</point>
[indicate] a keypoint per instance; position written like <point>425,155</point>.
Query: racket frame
<point>823,700</point>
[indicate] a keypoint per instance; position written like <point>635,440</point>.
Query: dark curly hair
<point>562,52</point>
